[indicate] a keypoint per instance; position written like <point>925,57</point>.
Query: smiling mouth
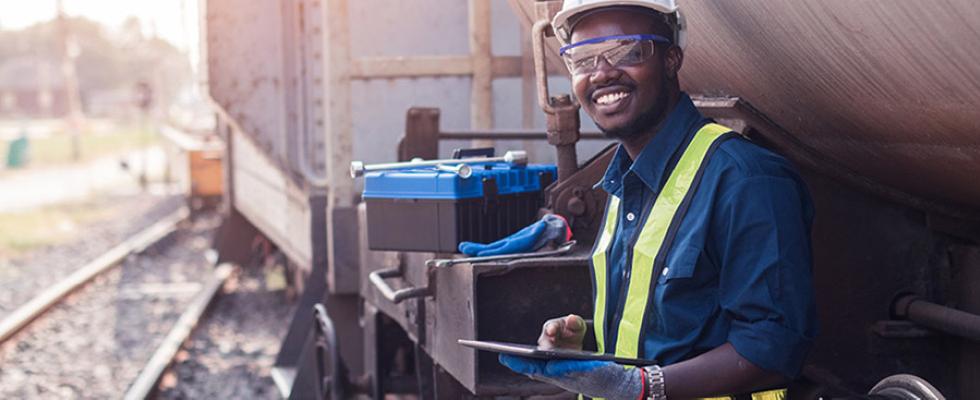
<point>611,98</point>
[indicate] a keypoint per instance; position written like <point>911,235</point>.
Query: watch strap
<point>655,388</point>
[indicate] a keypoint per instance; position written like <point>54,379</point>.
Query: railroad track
<point>146,383</point>
<point>113,325</point>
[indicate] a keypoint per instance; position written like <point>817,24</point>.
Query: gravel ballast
<point>231,353</point>
<point>23,277</point>
<point>94,343</point>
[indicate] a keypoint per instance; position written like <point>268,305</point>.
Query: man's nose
<point>604,72</point>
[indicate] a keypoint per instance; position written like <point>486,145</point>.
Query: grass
<point>57,148</point>
<point>23,231</point>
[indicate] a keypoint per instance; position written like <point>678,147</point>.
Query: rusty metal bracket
<point>539,32</point>
<point>576,198</point>
<point>421,139</point>
<point>560,111</point>
<point>395,296</point>
<point>563,133</point>
<point>423,133</point>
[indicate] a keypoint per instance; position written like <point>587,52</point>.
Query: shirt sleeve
<point>762,239</point>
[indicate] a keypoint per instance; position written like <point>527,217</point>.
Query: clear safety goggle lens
<point>618,51</point>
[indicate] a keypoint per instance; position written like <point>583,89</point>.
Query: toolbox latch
<point>490,194</point>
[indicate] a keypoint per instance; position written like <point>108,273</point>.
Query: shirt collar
<point>651,164</point>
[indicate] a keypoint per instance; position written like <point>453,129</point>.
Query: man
<point>703,263</point>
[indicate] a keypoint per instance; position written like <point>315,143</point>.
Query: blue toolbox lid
<point>429,183</point>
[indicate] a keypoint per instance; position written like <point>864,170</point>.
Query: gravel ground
<point>230,354</point>
<point>24,277</point>
<point>95,343</point>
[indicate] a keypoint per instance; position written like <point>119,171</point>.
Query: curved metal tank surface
<point>890,89</point>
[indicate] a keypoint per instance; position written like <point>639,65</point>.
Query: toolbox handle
<point>477,152</point>
<point>395,296</point>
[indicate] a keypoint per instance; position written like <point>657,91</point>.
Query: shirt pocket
<point>680,265</point>
<point>682,300</point>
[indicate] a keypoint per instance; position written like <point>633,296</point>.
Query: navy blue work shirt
<point>739,270</point>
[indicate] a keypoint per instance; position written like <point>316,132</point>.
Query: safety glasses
<point>619,50</point>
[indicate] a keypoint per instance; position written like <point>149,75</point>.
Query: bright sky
<point>175,23</point>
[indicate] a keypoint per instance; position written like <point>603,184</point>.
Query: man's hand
<point>563,333</point>
<point>602,379</point>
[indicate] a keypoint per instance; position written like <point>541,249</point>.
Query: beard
<point>647,120</point>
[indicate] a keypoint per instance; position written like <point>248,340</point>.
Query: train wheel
<point>330,371</point>
<point>906,387</point>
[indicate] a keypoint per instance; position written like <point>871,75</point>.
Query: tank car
<point>874,101</point>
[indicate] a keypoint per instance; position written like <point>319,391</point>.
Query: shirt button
<point>630,217</point>
<point>666,270</point>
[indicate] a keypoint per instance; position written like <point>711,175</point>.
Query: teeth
<point>611,98</point>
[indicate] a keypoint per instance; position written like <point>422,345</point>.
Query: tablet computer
<point>550,354</point>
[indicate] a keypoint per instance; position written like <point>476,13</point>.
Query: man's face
<point>623,101</point>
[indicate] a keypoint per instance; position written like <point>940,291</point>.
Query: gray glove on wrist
<point>591,378</point>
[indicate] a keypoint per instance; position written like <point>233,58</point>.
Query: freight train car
<point>874,101</point>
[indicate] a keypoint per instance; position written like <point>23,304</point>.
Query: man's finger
<point>551,333</point>
<point>553,327</point>
<point>573,324</point>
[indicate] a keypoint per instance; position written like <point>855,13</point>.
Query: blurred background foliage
<point>109,63</point>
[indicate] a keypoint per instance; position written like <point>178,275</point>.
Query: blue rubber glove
<point>532,237</point>
<point>598,379</point>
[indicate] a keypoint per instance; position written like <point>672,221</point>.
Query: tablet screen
<point>550,354</point>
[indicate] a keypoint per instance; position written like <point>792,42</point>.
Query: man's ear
<point>673,61</point>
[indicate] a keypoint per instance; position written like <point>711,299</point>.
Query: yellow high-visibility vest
<point>651,247</point>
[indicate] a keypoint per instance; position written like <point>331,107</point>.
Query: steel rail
<point>34,308</point>
<point>146,383</point>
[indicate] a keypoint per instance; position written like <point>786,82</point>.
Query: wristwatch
<point>656,389</point>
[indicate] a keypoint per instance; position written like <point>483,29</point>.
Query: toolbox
<point>433,210</point>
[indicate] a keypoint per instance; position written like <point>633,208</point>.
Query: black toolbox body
<point>433,211</point>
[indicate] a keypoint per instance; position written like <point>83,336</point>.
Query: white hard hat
<point>571,8</point>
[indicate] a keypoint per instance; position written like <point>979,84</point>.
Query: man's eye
<point>634,55</point>
<point>585,62</point>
